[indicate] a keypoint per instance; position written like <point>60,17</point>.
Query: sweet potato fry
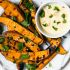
<point>26,9</point>
<point>15,26</point>
<point>10,10</point>
<point>46,61</point>
<point>18,37</point>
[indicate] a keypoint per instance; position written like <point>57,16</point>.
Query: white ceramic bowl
<point>41,29</point>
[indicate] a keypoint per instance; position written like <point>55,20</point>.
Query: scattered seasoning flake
<point>56,8</point>
<point>14,26</point>
<point>63,15</point>
<point>64,21</point>
<point>42,13</point>
<point>50,65</point>
<point>51,16</point>
<point>45,25</point>
<point>49,6</point>
<point>55,28</point>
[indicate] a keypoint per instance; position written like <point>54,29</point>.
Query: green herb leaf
<point>36,33</point>
<point>24,56</point>
<point>25,23</point>
<point>56,8</point>
<point>5,48</point>
<point>27,40</point>
<point>42,13</point>
<point>64,21</point>
<point>31,66</point>
<point>20,46</point>
<point>49,6</point>
<point>27,20</point>
<point>63,15</point>
<point>50,65</point>
<point>1,40</point>
<point>45,25</point>
<point>29,5</point>
<point>58,22</point>
<point>14,18</point>
<point>51,16</point>
<point>54,21</point>
<point>57,49</point>
<point>55,28</point>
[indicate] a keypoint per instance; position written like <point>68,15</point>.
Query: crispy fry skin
<point>11,10</point>
<point>15,26</point>
<point>17,37</point>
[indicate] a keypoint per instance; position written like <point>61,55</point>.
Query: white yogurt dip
<point>54,18</point>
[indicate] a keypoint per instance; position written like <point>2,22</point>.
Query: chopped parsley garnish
<point>54,28</point>
<point>45,25</point>
<point>25,23</point>
<point>51,16</point>
<point>29,5</point>
<point>14,18</point>
<point>36,33</point>
<point>31,66</point>
<point>20,46</point>
<point>1,40</point>
<point>42,13</point>
<point>54,21</point>
<point>5,48</point>
<point>27,20</point>
<point>27,39</point>
<point>49,6</point>
<point>24,56</point>
<point>50,65</point>
<point>64,21</point>
<point>58,22</point>
<point>63,15</point>
<point>56,8</point>
<point>57,49</point>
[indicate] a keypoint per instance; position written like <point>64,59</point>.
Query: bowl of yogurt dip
<point>53,19</point>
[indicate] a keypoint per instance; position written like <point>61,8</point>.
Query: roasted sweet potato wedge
<point>24,6</point>
<point>18,37</point>
<point>46,61</point>
<point>11,25</point>
<point>11,10</point>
